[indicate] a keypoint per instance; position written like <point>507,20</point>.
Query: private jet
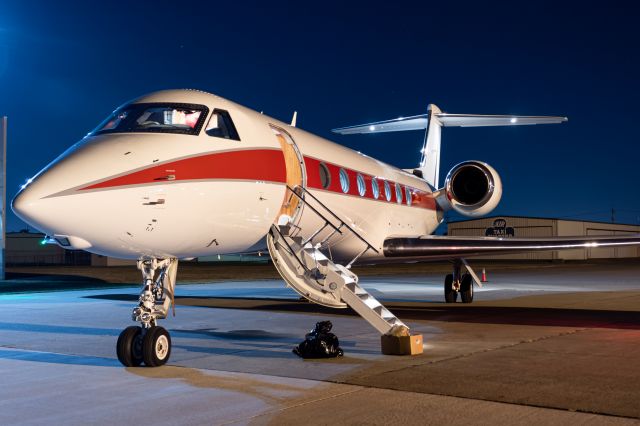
<point>180,174</point>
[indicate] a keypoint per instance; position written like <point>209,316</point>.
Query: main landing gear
<point>457,282</point>
<point>150,343</point>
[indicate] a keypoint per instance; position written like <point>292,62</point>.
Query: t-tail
<point>471,188</point>
<point>432,122</point>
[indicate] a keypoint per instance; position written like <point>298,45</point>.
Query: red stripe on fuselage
<point>262,165</point>
<point>259,164</point>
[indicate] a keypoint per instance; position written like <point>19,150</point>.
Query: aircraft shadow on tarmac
<point>555,317</point>
<point>255,343</point>
<point>245,344</point>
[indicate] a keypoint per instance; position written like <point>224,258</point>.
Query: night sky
<point>64,66</point>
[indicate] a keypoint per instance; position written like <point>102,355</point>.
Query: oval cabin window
<point>387,190</point>
<point>361,186</point>
<point>375,189</point>
<point>398,193</point>
<point>344,181</point>
<point>325,176</point>
<point>407,194</point>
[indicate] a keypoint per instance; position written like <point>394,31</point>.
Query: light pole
<point>3,192</point>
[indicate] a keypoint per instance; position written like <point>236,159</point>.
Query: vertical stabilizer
<point>430,163</point>
<point>433,121</point>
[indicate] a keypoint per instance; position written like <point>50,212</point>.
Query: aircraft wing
<point>434,247</point>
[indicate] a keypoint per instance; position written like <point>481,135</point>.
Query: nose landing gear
<point>150,343</point>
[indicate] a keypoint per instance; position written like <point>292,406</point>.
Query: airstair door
<point>296,176</point>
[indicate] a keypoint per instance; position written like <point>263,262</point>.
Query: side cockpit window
<point>221,126</point>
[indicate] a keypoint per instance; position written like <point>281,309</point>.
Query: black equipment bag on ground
<point>319,343</point>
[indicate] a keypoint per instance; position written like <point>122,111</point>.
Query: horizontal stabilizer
<point>433,247</point>
<point>421,122</point>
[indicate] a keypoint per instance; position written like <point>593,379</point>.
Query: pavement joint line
<point>360,388</point>
<point>518,404</point>
<point>357,388</point>
<point>469,354</point>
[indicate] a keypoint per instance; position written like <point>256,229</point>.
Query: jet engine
<point>472,188</point>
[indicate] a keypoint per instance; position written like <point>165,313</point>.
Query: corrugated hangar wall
<point>523,227</point>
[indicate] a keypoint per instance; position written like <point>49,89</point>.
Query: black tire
<point>466,288</point>
<point>450,295</point>
<point>129,346</point>
<point>156,347</point>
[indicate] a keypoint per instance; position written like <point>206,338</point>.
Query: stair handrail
<point>342,222</point>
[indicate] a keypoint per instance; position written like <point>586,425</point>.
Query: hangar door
<point>600,253</point>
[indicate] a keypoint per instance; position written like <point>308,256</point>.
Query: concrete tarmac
<point>553,344</point>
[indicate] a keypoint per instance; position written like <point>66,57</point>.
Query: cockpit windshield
<point>155,118</point>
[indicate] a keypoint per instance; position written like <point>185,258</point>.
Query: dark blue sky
<point>65,65</point>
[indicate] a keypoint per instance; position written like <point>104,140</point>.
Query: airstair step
<point>316,274</point>
<point>372,303</point>
<point>324,262</point>
<point>284,229</point>
<point>297,240</point>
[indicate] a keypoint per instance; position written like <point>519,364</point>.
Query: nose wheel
<point>136,345</point>
<point>156,347</point>
<point>150,343</point>
<point>129,346</point>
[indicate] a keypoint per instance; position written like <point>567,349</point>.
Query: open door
<point>294,162</point>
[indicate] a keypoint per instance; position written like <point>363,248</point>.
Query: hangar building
<point>523,227</point>
<point>26,248</point>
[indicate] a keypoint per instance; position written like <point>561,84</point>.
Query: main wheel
<point>450,295</point>
<point>129,346</point>
<point>156,346</point>
<point>466,288</point>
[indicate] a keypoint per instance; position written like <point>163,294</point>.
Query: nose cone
<point>20,203</point>
<point>27,205</point>
<point>36,203</point>
<point>45,214</point>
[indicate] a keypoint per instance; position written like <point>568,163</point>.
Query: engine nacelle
<point>472,188</point>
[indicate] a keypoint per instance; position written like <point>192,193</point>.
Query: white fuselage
<point>136,195</point>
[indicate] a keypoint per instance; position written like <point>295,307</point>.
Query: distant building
<point>244,258</point>
<point>99,260</point>
<point>27,248</point>
<point>531,227</point>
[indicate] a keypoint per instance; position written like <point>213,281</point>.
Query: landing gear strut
<point>150,343</point>
<point>459,283</point>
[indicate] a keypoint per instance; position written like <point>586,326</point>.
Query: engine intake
<point>472,188</point>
